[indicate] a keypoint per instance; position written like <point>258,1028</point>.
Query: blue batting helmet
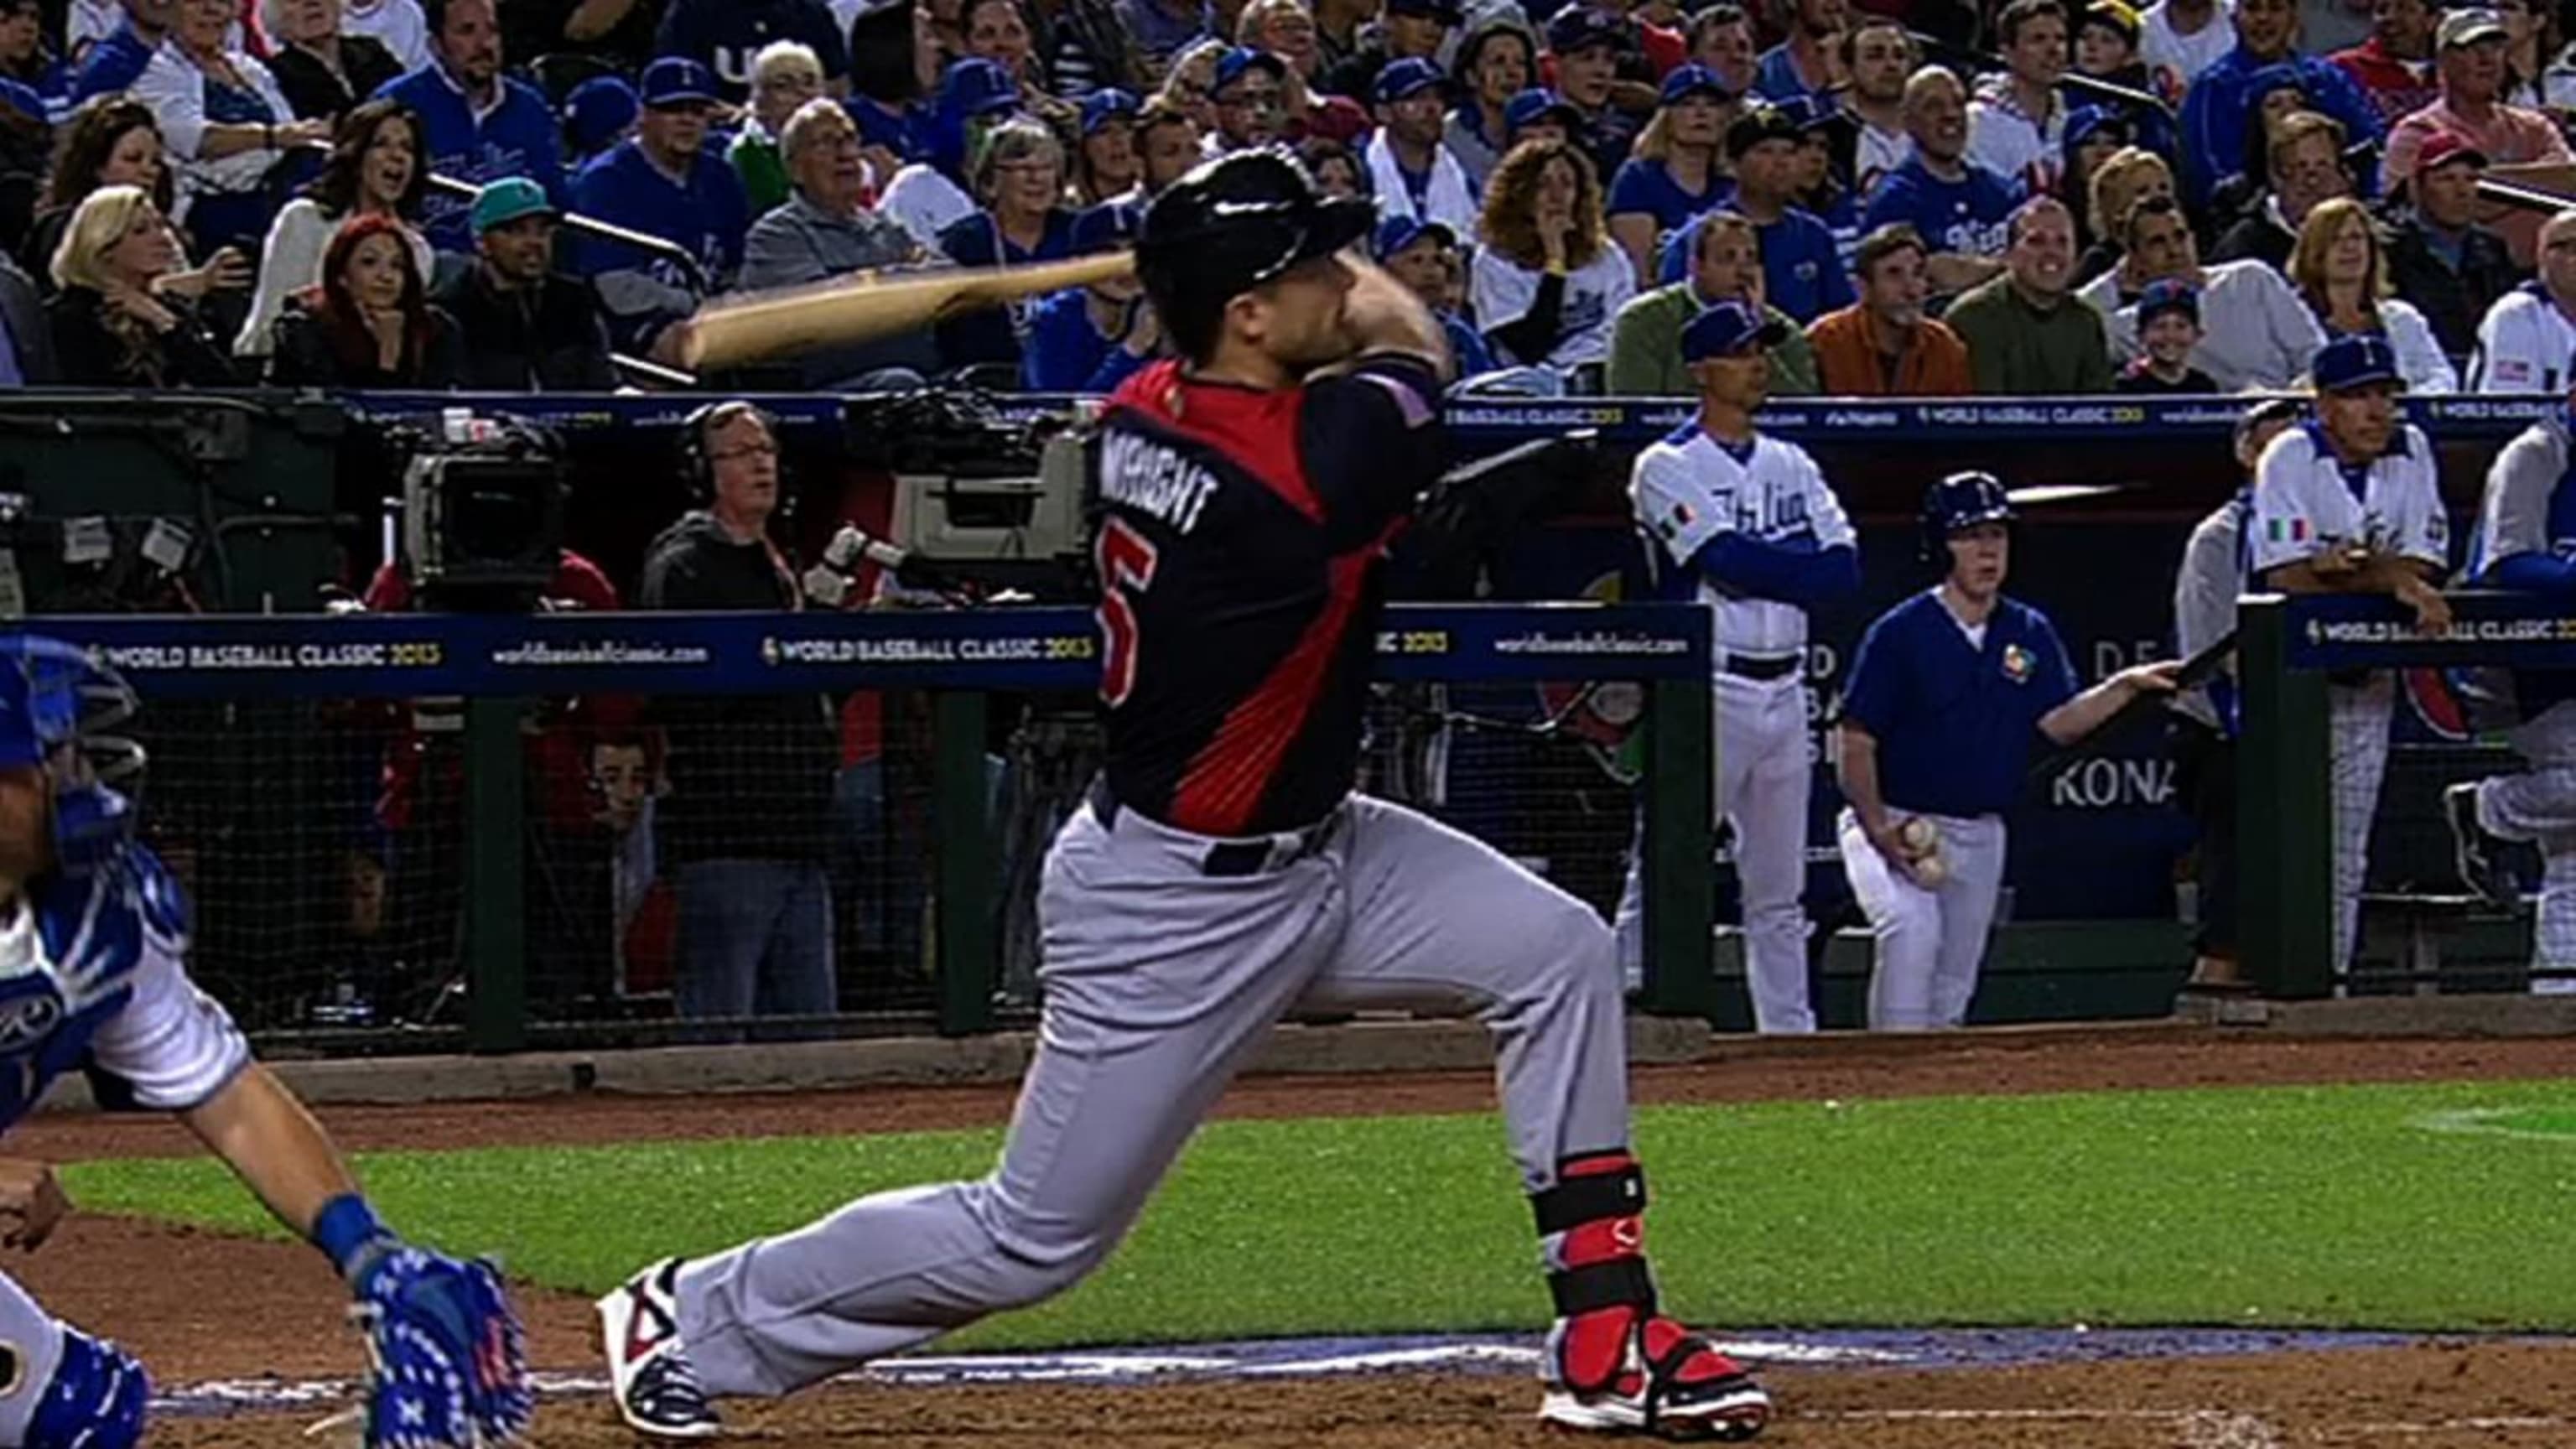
<point>56,705</point>
<point>1962,500</point>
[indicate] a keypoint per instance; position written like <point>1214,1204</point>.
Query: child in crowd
<point>2168,329</point>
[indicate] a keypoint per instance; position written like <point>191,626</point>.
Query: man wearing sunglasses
<point>1224,871</point>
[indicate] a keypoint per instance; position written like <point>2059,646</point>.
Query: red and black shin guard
<point>1610,1342</point>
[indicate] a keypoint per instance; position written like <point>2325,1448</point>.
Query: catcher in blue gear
<point>93,944</point>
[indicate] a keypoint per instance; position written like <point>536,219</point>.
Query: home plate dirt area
<point>247,1347</point>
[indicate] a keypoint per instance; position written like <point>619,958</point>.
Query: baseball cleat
<point>648,1373</point>
<point>1719,1401</point>
<point>2473,846</point>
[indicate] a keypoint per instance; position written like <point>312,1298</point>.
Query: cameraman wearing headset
<point>745,825</point>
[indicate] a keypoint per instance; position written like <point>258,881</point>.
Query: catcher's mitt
<point>450,1359</point>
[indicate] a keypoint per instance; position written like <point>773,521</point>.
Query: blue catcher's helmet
<point>1962,500</point>
<point>56,706</point>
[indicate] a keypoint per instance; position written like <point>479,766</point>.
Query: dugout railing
<point>2287,648</point>
<point>257,669</point>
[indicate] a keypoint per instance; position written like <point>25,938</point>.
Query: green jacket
<point>1646,349</point>
<point>763,171</point>
<point>2017,350</point>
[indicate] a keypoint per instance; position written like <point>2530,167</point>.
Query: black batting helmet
<point>1230,225</point>
<point>1962,500</point>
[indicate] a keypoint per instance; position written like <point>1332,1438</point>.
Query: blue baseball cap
<point>1241,61</point>
<point>2168,294</point>
<point>1398,232</point>
<point>1694,79</point>
<point>977,87</point>
<point>1106,105</point>
<point>2357,359</point>
<point>1579,27</point>
<point>512,198</point>
<point>1444,11</point>
<point>1724,328</point>
<point>1410,76</point>
<point>2279,76</point>
<point>1106,228</point>
<point>598,111</point>
<point>2085,122</point>
<point>1533,106</point>
<point>676,80</point>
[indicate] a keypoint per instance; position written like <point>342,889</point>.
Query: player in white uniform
<point>2350,502</point>
<point>1948,692</point>
<point>2527,337</point>
<point>2526,542</point>
<point>2206,589</point>
<point>1745,524</point>
<point>93,934</point>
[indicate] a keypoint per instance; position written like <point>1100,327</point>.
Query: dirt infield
<point>203,1307</point>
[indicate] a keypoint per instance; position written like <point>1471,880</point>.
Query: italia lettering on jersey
<point>1240,537</point>
<point>1688,490</point>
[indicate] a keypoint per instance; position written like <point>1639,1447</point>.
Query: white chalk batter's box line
<point>2488,1122</point>
<point>1104,1366</point>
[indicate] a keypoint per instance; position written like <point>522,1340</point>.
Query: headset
<point>697,465</point>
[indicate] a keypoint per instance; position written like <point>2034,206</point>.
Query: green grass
<point>2325,1206</point>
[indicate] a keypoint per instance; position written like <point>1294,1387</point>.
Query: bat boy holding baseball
<point>1949,691</point>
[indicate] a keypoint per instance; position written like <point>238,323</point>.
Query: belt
<point>1234,859</point>
<point>1754,667</point>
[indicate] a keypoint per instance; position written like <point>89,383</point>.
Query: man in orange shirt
<point>1883,345</point>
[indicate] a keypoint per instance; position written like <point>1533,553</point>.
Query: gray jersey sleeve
<point>2205,593</point>
<point>2514,517</point>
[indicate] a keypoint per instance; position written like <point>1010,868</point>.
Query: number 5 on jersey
<point>1125,559</point>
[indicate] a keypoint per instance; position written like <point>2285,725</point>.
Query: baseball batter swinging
<point>1222,870</point>
<point>1945,699</point>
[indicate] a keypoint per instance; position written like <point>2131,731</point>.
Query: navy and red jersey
<point>1241,537</point>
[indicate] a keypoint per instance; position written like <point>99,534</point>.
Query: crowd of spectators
<point>2056,198</point>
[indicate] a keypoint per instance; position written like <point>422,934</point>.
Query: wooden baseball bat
<point>864,306</point>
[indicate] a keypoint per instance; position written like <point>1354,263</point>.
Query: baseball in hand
<point>1918,836</point>
<point>1930,871</point>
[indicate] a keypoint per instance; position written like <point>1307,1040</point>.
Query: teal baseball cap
<point>512,198</point>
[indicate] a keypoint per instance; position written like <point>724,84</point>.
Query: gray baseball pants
<point>1159,979</point>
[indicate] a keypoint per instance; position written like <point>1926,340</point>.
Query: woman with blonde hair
<point>1674,172</point>
<point>2130,175</point>
<point>1547,279</point>
<point>2341,271</point>
<point>110,329</point>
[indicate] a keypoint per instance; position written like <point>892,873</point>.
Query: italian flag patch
<point>2286,530</point>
